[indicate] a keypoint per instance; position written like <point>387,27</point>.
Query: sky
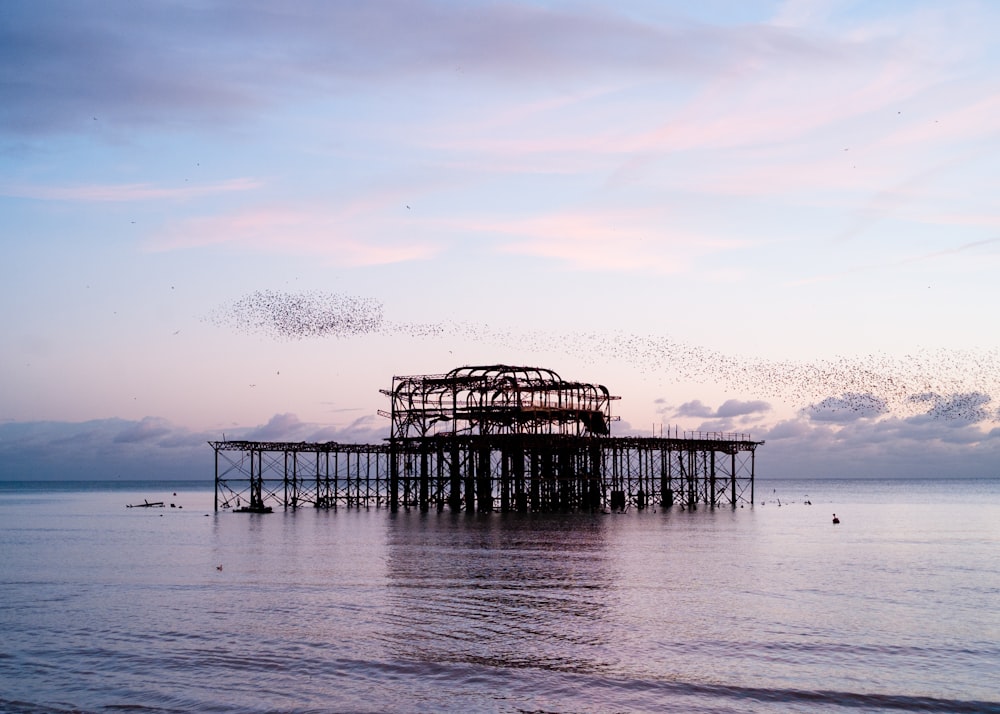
<point>241,219</point>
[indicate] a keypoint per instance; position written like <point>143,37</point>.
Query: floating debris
<point>145,504</point>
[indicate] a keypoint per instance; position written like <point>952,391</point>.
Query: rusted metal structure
<point>496,400</point>
<point>256,475</point>
<point>492,438</point>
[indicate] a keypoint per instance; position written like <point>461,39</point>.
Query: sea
<point>765,608</point>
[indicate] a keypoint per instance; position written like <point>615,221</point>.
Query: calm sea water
<point>763,609</point>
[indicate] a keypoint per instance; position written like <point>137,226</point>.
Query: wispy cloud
<point>604,240</point>
<point>907,260</point>
<point>910,190</point>
<point>342,236</point>
<point>124,193</point>
<point>72,61</point>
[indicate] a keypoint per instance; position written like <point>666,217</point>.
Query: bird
<point>835,519</point>
<point>218,567</point>
<point>941,385</point>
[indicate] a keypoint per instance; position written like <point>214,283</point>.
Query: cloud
<point>368,429</point>
<point>288,427</point>
<point>149,429</point>
<point>693,408</point>
<point>350,240</point>
<point>119,62</point>
<point>883,448</point>
<point>281,427</point>
<point>918,258</point>
<point>604,240</point>
<point>967,408</point>
<point>102,193</point>
<point>730,409</point>
<point>153,448</point>
<point>847,408</point>
<point>150,448</point>
<point>786,429</point>
<point>734,408</point>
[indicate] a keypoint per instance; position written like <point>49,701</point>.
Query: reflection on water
<point>511,590</point>
<point>770,609</point>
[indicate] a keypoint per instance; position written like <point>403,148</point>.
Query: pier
<point>493,438</point>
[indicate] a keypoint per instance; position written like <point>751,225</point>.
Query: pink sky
<point>737,216</point>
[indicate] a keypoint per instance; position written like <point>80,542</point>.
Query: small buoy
<point>835,519</point>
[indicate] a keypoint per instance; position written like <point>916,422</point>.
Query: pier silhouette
<point>492,438</point>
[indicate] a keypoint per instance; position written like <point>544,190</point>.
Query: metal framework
<point>495,400</point>
<point>491,438</point>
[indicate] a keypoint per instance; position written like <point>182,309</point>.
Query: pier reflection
<point>505,590</point>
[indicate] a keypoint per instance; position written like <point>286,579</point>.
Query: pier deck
<point>484,474</point>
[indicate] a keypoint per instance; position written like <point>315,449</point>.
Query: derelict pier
<point>493,438</point>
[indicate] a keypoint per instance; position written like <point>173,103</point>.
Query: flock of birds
<point>283,315</point>
<point>941,384</point>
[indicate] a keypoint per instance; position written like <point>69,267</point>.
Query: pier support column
<point>505,475</point>
<point>393,476</point>
<point>455,479</point>
<point>711,480</point>
<point>256,480</point>
<point>520,495</point>
<point>470,478</point>
<point>216,449</point>
<point>484,480</point>
<point>535,485</point>
<point>424,481</point>
<point>732,479</point>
